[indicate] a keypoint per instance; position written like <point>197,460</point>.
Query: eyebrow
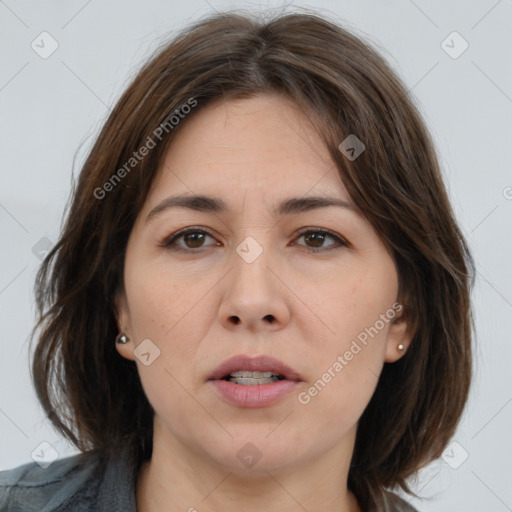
<point>208,204</point>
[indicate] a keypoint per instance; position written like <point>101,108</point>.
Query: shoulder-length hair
<point>94,397</point>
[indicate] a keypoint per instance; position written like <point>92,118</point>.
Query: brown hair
<point>88,391</point>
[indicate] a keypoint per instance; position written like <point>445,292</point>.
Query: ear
<point>122,315</point>
<point>401,332</point>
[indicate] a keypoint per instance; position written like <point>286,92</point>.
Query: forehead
<point>264,144</point>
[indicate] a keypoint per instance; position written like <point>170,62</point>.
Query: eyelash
<point>170,242</point>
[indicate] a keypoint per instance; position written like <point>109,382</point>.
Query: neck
<point>176,479</point>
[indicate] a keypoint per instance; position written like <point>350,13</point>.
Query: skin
<point>253,153</point>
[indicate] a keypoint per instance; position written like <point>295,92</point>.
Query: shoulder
<point>72,483</point>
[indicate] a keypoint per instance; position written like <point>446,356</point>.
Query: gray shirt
<point>89,481</point>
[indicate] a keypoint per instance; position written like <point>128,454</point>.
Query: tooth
<point>249,381</point>
<point>244,373</point>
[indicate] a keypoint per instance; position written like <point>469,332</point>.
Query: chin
<point>256,455</point>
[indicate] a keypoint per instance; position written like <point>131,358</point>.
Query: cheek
<point>160,297</point>
<point>342,386</point>
<point>346,306</point>
<point>356,313</point>
<point>173,311</point>
<point>162,312</point>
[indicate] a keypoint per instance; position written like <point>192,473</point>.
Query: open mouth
<point>249,378</point>
<point>254,381</point>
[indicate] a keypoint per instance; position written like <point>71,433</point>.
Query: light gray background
<point>51,109</point>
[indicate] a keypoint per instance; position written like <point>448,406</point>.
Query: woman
<point>261,297</point>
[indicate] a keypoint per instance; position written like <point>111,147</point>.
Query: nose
<point>255,295</point>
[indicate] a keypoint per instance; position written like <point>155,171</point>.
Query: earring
<point>400,347</point>
<point>122,338</point>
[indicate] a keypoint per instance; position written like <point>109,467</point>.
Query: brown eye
<point>192,240</point>
<point>315,239</point>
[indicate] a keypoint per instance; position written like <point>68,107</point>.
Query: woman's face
<point>246,281</point>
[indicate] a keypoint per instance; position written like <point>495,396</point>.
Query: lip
<point>255,364</point>
<point>259,395</point>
